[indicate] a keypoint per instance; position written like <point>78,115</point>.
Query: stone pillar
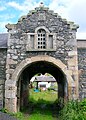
<point>10,96</point>
<point>73,67</point>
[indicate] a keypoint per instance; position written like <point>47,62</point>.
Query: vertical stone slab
<point>1,94</point>
<point>11,104</point>
<point>10,96</point>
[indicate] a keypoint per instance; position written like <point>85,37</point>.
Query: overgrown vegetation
<point>73,110</point>
<point>44,106</point>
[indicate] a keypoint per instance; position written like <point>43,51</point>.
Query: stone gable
<point>60,30</point>
<point>41,40</point>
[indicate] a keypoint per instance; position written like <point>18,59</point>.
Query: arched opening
<point>39,67</point>
<point>28,68</point>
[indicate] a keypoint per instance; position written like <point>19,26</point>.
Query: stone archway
<point>11,101</point>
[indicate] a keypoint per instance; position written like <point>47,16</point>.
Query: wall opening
<point>33,69</point>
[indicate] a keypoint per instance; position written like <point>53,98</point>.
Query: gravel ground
<point>4,116</point>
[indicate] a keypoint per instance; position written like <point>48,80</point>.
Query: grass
<point>42,109</point>
<point>41,106</point>
<point>47,95</point>
<point>44,106</point>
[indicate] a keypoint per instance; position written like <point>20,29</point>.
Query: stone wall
<point>66,44</point>
<point>65,47</point>
<point>3,54</point>
<point>82,72</point>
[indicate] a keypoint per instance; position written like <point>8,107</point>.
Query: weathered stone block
<point>11,61</point>
<point>9,71</point>
<point>72,53</point>
<point>11,104</point>
<point>72,61</point>
<point>1,104</point>
<point>10,94</point>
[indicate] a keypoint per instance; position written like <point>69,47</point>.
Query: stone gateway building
<point>41,42</point>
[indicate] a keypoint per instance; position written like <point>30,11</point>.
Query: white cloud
<point>77,13</point>
<point>2,26</point>
<point>2,8</point>
<point>15,5</point>
<point>81,35</point>
<point>6,17</point>
<point>25,6</point>
<point>72,10</point>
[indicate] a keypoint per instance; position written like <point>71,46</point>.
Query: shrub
<point>4,110</point>
<point>73,110</point>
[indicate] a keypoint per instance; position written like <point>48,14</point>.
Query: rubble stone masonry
<point>22,45</point>
<point>3,55</point>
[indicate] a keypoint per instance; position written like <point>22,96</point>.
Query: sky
<point>72,10</point>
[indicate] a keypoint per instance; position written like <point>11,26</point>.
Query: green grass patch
<point>44,106</point>
<point>40,106</point>
<point>49,96</point>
